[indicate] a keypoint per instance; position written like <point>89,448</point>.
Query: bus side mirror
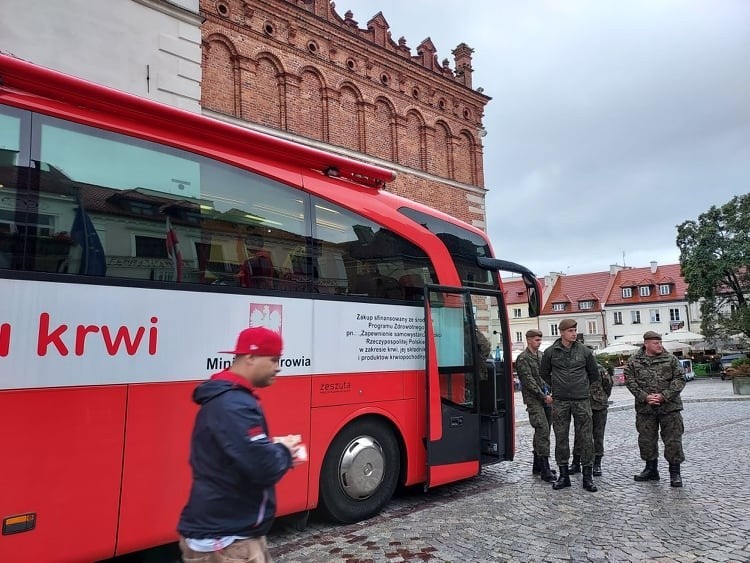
<point>532,290</point>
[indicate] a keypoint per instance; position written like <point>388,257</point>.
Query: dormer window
<point>627,292</point>
<point>665,289</point>
<point>586,304</point>
<point>644,291</point>
<point>558,306</point>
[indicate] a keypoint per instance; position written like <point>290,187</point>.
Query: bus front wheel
<point>360,472</point>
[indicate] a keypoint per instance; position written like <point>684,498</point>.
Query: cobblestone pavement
<point>506,514</point>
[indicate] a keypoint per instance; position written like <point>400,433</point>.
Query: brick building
<point>298,68</point>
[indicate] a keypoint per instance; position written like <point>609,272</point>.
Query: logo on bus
<point>266,315</point>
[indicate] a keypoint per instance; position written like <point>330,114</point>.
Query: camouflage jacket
<point>532,386</point>
<point>601,390</point>
<point>569,371</point>
<point>655,374</point>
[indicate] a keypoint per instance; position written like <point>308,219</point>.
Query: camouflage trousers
<point>540,420</point>
<point>671,434</point>
<point>580,411</point>
<point>599,423</point>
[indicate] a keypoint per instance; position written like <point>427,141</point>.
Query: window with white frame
<point>516,313</point>
<point>644,291</point>
<point>591,327</point>
<point>553,329</point>
<point>635,317</point>
<point>585,304</point>
<point>558,306</point>
<point>627,292</point>
<point>519,336</point>
<point>674,314</point>
<point>665,289</point>
<point>655,316</point>
<point>617,317</point>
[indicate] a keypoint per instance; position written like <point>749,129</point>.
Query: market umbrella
<point>673,346</point>
<point>631,339</point>
<point>619,348</point>
<point>682,336</point>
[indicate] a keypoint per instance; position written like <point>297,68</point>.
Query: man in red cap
<point>235,463</point>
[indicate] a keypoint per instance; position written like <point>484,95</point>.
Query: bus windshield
<point>464,246</point>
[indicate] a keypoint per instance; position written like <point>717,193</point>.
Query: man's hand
<point>655,399</point>
<point>548,399</point>
<point>292,441</point>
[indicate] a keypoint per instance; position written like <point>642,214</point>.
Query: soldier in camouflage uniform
<point>569,368</point>
<point>655,378</point>
<point>538,401</point>
<point>600,393</point>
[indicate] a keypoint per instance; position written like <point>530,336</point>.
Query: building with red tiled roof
<point>580,297</point>
<point>652,298</point>
<point>516,301</point>
<point>622,303</point>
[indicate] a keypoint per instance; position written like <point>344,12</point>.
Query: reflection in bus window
<point>100,203</point>
<point>358,257</point>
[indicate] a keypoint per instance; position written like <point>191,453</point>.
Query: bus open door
<point>466,414</point>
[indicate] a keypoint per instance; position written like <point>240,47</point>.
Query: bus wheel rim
<point>362,468</point>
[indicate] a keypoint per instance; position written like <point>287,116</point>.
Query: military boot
<point>546,473</point>
<point>575,465</point>
<point>598,466</point>
<point>650,473</point>
<point>588,481</point>
<point>536,469</point>
<point>675,479</point>
<point>563,480</point>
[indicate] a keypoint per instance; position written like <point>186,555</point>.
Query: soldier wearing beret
<point>569,368</point>
<point>655,378</point>
<point>538,401</point>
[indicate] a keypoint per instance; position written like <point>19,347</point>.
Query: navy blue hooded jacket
<point>235,463</point>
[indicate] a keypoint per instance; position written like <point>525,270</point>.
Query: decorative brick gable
<point>299,67</point>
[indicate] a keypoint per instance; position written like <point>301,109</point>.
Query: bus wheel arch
<point>361,469</point>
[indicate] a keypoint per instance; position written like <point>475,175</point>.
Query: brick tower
<point>298,68</point>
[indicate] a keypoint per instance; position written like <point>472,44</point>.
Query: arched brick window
<point>380,140</point>
<point>441,153</point>
<point>345,119</point>
<point>306,117</point>
<point>219,91</point>
<point>264,100</point>
<point>411,144</point>
<point>464,165</point>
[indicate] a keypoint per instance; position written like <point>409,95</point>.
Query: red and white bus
<point>137,240</point>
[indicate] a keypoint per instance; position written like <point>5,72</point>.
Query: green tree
<point>715,259</point>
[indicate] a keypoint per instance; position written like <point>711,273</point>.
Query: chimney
<point>614,268</point>
<point>653,266</point>
<point>462,57</point>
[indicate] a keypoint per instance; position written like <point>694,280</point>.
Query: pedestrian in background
<point>569,368</point>
<point>600,393</point>
<point>538,401</point>
<point>655,378</point>
<point>235,462</point>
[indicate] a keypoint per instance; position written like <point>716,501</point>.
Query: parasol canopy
<point>619,348</point>
<point>682,336</point>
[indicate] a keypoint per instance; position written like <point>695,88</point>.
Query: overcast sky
<point>610,123</point>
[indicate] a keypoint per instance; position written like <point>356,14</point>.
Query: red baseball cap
<point>257,341</point>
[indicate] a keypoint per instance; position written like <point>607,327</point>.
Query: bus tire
<point>360,472</point>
